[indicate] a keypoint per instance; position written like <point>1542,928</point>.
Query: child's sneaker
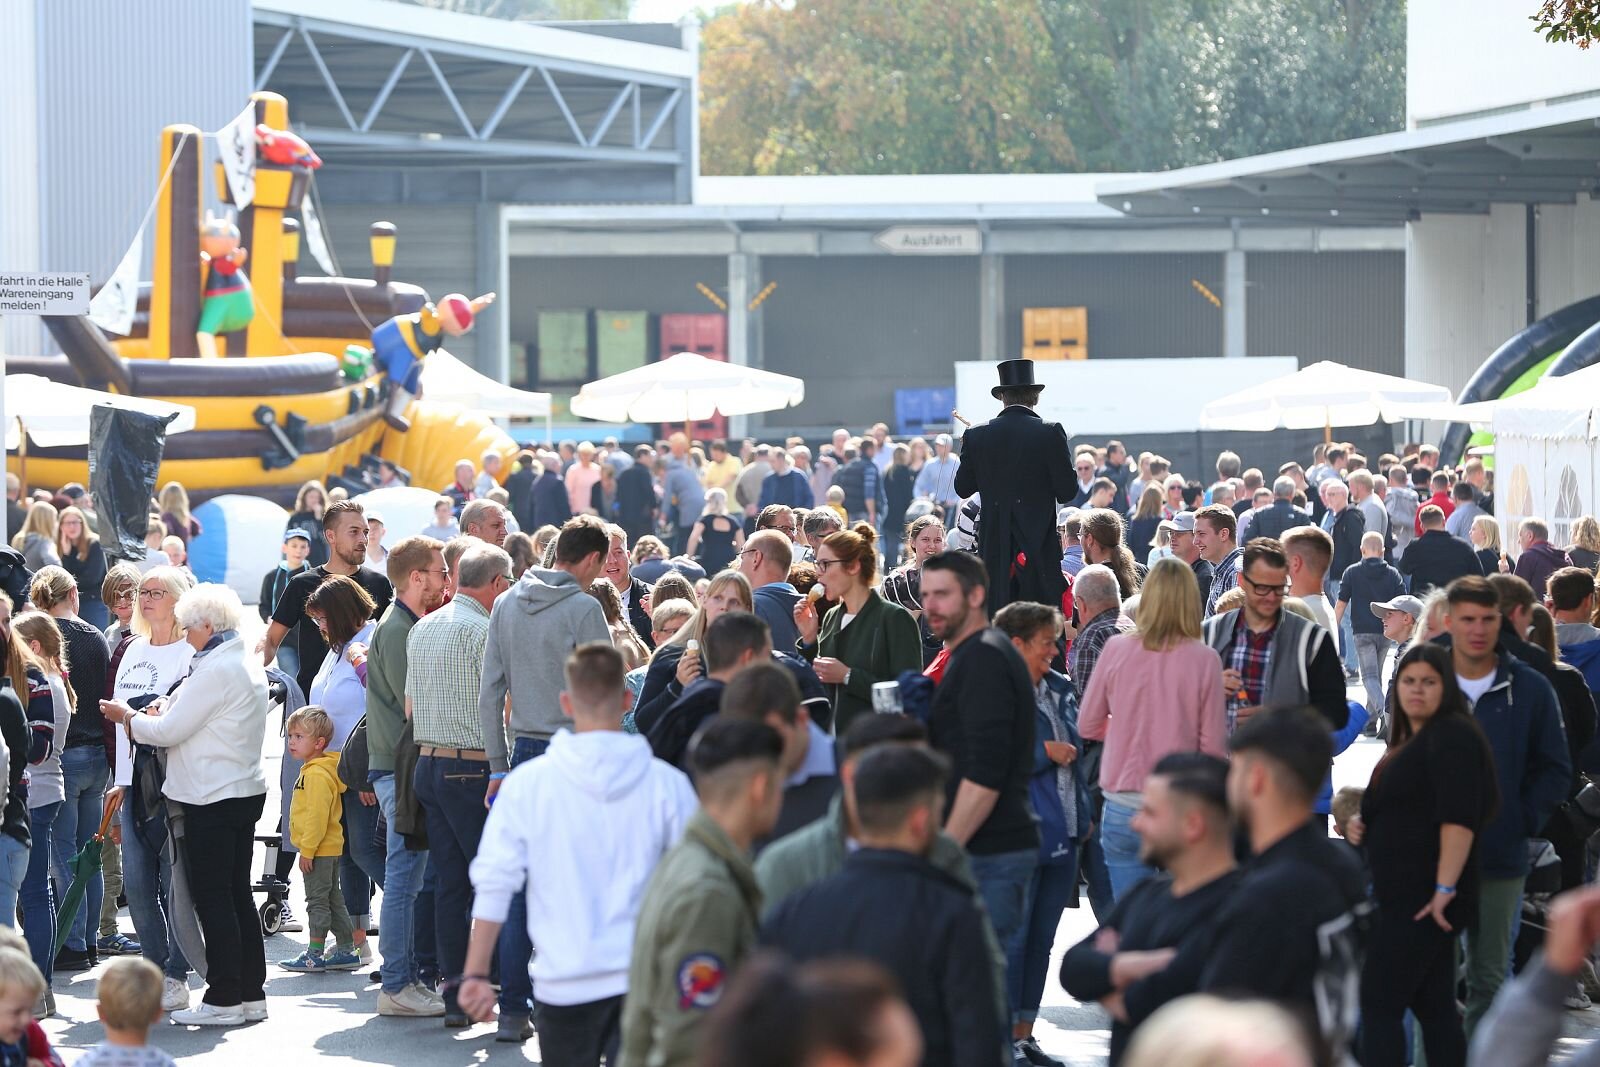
<point>307,961</point>
<point>341,959</point>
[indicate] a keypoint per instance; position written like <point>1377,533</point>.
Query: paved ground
<point>334,1016</point>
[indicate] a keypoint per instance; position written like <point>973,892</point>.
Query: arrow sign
<point>930,240</point>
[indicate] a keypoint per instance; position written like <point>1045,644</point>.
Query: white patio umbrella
<point>445,378</point>
<point>54,415</point>
<point>1324,394</point>
<point>686,387</point>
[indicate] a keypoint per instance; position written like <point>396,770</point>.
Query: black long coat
<point>1021,466</point>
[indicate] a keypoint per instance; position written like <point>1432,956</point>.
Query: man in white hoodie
<point>597,803</point>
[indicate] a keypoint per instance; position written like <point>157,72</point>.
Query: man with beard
<point>417,570</point>
<point>344,527</point>
<point>983,719</point>
<point>1184,830</point>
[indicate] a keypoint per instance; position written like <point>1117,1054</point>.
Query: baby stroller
<point>273,891</point>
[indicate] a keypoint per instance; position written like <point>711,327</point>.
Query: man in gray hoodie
<point>533,628</point>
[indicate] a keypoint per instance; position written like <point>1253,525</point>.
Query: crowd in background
<point>715,755</point>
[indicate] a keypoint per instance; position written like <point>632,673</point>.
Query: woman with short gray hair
<point>212,728</point>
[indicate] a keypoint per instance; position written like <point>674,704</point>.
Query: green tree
<point>895,86</point>
<point>1569,21</point>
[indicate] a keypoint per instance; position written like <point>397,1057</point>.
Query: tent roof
<point>1564,407</point>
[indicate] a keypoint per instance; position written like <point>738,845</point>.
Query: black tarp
<point>124,458</point>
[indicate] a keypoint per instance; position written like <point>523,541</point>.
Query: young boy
<point>296,549</point>
<point>130,1003</point>
<point>176,551</point>
<point>836,502</point>
<point>22,1040</point>
<point>314,829</point>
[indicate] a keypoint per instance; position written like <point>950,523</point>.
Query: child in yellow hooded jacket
<point>317,834</point>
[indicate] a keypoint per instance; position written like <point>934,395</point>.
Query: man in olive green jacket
<point>699,917</point>
<point>818,851</point>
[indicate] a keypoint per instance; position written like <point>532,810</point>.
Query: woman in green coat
<point>864,639</point>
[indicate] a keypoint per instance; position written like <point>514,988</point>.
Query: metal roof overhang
<point>1545,155</point>
<point>389,86</point>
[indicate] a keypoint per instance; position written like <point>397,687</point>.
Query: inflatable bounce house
<point>291,378</point>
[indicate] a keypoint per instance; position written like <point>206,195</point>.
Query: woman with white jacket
<point>212,728</point>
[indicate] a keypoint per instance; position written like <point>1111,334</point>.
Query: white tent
<point>1325,394</point>
<point>448,380</point>
<point>1547,454</point>
<point>55,415</point>
<point>686,387</point>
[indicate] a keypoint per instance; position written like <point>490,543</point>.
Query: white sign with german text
<point>930,240</point>
<point>51,293</point>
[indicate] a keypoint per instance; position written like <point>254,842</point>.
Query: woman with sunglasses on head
<point>864,639</point>
<point>1430,795</point>
<point>146,668</point>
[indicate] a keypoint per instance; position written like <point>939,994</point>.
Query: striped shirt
<point>444,669</point>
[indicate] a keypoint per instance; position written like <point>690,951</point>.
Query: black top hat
<point>1014,374</point>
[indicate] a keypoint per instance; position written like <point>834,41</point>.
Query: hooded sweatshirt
<point>533,628</point>
<point>314,813</point>
<point>594,801</point>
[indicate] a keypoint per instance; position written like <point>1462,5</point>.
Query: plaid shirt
<point>1249,657</point>
<point>444,670</point>
<point>1091,641</point>
<point>1224,576</point>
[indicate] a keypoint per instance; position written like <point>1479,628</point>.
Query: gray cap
<point>1182,522</point>
<point>1406,603</point>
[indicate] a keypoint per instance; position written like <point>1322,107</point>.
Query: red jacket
<point>1442,501</point>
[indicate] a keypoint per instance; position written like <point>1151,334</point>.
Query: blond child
<point>317,835</point>
<point>130,1003</point>
<point>1346,806</point>
<point>22,988</point>
<point>836,502</point>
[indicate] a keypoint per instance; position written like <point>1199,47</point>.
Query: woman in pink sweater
<point>1155,691</point>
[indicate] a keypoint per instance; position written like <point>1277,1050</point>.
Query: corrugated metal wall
<point>436,248</point>
<point>1344,306</point>
<point>1139,305</point>
<point>857,328</point>
<point>19,170</point>
<point>110,76</point>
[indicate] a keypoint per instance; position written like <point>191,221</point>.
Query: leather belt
<point>454,753</point>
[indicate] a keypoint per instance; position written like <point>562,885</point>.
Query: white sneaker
<point>174,995</point>
<point>255,1011</point>
<point>290,924</point>
<point>364,951</point>
<point>210,1015</point>
<point>410,1002</point>
<point>430,994</point>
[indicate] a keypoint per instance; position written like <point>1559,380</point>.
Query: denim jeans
<point>402,877</point>
<point>85,773</point>
<point>1028,961</point>
<point>1098,879</point>
<point>1371,651</point>
<point>1004,880</point>
<point>147,879</point>
<point>288,660</point>
<point>13,868</point>
<point>1121,846</point>
<point>516,948</point>
<point>38,901</point>
<point>362,862</point>
<point>452,792</point>
<point>1345,636</point>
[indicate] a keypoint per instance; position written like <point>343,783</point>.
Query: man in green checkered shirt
<point>444,667</point>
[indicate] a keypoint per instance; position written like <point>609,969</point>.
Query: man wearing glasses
<point>1270,657</point>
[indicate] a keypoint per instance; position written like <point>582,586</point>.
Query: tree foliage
<point>913,86</point>
<point>1569,21</point>
<point>894,86</point>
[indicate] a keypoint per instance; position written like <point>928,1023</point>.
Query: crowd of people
<point>751,754</point>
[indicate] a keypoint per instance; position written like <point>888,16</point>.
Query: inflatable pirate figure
<point>401,344</point>
<point>226,303</point>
